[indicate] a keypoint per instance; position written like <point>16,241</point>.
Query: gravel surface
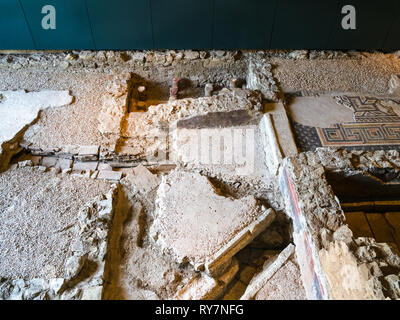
<point>38,220</point>
<point>368,73</point>
<point>73,124</point>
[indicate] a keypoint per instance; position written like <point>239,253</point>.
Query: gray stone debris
<point>49,161</point>
<point>270,268</point>
<point>25,163</point>
<point>143,180</point>
<point>204,287</point>
<point>64,164</point>
<point>113,176</point>
<point>85,166</point>
<point>298,54</point>
<point>208,89</point>
<point>191,55</point>
<point>259,77</point>
<point>88,153</point>
<point>394,85</point>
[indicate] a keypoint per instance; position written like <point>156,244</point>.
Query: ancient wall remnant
<point>321,234</point>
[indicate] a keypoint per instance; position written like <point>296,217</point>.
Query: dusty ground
<point>39,211</point>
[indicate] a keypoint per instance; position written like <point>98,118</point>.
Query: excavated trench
<point>370,201</point>
<point>136,266</point>
<point>185,179</point>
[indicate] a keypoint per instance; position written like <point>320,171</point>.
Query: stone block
<point>88,153</point>
<point>49,161</point>
<point>196,224</point>
<point>113,176</point>
<point>85,166</point>
<point>26,163</point>
<point>92,293</point>
<point>104,166</point>
<point>64,164</point>
<point>143,179</point>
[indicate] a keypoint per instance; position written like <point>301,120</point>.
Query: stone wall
<point>334,265</point>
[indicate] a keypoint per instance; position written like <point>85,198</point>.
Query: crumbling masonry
<point>178,175</point>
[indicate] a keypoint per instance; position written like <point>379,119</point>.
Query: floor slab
<point>195,223</point>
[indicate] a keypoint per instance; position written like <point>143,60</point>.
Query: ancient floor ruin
<point>200,175</point>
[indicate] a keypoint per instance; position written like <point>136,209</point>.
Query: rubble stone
<point>113,176</point>
<point>259,77</point>
<point>143,179</point>
<point>49,161</point>
<point>93,293</point>
<point>85,166</point>
<point>347,280</point>
<point>64,164</point>
<point>271,267</point>
<point>204,287</point>
<point>88,153</point>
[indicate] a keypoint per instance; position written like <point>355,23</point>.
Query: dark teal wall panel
<point>122,24</point>
<point>182,24</point>
<point>304,24</point>
<point>72,24</point>
<point>14,31</point>
<point>243,24</point>
<point>373,18</point>
<point>199,24</point>
<point>392,40</point>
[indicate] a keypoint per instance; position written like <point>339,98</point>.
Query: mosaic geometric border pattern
<point>367,109</point>
<point>308,138</point>
<point>377,126</point>
<point>353,134</point>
